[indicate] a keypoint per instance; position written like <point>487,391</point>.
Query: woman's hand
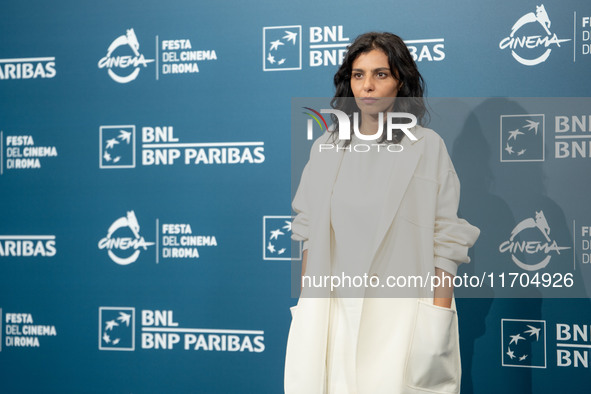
<point>443,294</point>
<point>304,262</point>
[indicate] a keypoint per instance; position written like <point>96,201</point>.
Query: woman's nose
<point>368,85</point>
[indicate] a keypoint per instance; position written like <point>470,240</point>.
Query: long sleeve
<point>452,236</point>
<point>300,226</point>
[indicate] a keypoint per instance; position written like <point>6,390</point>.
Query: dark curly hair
<point>402,65</point>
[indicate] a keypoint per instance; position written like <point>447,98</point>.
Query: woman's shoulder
<point>428,134</point>
<point>435,153</point>
<point>326,138</point>
<point>431,139</point>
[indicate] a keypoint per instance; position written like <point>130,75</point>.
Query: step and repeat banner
<point>145,185</point>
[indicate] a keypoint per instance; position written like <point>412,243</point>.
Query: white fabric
<point>342,341</point>
<point>417,231</point>
<point>356,205</point>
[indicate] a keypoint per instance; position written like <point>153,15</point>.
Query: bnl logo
<point>117,147</point>
<point>522,138</point>
<point>523,343</point>
<point>116,328</point>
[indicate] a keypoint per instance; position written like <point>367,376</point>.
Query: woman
<point>383,214</point>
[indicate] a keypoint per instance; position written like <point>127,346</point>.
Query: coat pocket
<point>433,361</point>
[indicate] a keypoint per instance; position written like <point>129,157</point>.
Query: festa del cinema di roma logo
<point>117,65</point>
<point>118,246</point>
<point>538,46</point>
<point>532,247</point>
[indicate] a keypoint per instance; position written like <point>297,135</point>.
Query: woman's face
<point>372,82</point>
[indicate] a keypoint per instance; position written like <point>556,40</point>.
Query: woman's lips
<point>368,100</point>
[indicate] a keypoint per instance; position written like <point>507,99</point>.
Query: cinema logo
<point>124,60</point>
<point>534,48</point>
<point>118,61</point>
<point>27,246</point>
<point>392,123</point>
<point>27,68</point>
<point>538,247</point>
<point>122,248</point>
<point>160,331</point>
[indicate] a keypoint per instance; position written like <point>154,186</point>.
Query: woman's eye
<point>382,75</point>
<point>357,75</point>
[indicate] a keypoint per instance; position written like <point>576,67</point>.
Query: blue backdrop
<point>145,160</point>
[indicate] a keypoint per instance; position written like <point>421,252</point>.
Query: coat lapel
<point>401,171</point>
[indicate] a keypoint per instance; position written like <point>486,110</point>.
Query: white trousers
<point>345,314</point>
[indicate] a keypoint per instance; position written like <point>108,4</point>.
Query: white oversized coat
<point>405,344</point>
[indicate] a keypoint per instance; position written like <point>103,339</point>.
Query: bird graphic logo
<point>522,138</point>
<point>116,328</point>
<point>282,48</point>
<point>523,343</point>
<point>277,238</point>
<point>117,148</point>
